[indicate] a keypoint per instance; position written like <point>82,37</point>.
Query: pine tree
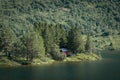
<point>47,32</point>
<point>8,39</point>
<point>48,39</point>
<point>88,45</point>
<point>19,48</point>
<point>28,50</point>
<point>39,45</point>
<point>75,41</point>
<point>33,45</point>
<point>63,37</point>
<point>57,34</point>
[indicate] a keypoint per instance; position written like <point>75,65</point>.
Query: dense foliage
<point>75,41</point>
<point>38,28</point>
<point>96,15</point>
<point>8,39</point>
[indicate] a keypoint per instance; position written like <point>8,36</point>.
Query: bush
<point>56,54</point>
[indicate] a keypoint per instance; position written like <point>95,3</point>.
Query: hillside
<point>85,14</point>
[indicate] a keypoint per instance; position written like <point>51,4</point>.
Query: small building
<point>66,51</point>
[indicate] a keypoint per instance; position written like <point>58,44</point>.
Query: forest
<point>36,29</point>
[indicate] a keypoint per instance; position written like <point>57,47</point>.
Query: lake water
<point>106,69</point>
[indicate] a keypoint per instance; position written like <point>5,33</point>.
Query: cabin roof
<point>64,49</point>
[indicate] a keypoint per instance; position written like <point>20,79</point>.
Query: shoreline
<point>37,62</point>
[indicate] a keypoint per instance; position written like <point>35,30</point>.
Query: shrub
<point>56,54</point>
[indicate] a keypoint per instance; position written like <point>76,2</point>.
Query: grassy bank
<point>84,57</point>
<point>6,62</point>
<point>79,57</point>
<point>42,61</point>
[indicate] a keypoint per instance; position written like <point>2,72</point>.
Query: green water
<point>106,69</point>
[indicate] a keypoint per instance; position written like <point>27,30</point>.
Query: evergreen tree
<point>75,41</point>
<point>19,48</point>
<point>88,45</point>
<point>63,38</point>
<point>8,39</point>
<point>57,34</point>
<point>48,39</point>
<point>33,45</point>
<point>39,45</point>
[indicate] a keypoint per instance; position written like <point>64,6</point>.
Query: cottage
<point>66,51</point>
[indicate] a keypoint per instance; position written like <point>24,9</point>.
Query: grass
<point>84,57</point>
<point>44,60</point>
<point>4,61</point>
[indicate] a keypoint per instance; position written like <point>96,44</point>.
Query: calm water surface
<point>106,69</point>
